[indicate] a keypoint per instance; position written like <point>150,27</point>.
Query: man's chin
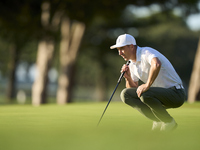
<point>124,58</point>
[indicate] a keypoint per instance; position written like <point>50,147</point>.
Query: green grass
<point>74,127</point>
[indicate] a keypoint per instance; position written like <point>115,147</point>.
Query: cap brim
<point>117,45</point>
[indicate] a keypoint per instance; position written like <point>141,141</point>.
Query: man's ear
<point>132,46</point>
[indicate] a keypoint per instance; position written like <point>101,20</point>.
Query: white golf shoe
<point>156,125</point>
<point>169,126</point>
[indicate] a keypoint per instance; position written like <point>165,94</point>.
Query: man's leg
<point>158,99</point>
<point>129,96</point>
<point>153,103</point>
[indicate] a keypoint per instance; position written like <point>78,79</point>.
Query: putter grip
<point>122,74</point>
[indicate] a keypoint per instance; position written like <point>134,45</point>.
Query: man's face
<point>125,52</point>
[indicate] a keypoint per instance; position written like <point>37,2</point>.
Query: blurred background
<point>57,51</point>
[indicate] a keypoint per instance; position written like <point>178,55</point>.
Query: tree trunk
<point>194,87</point>
<point>70,42</point>
<point>12,70</point>
<point>44,58</point>
<point>101,87</point>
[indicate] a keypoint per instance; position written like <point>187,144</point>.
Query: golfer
<point>161,89</point>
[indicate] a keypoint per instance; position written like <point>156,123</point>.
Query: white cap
<point>123,40</point>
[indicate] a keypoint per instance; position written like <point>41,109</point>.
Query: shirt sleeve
<point>150,56</point>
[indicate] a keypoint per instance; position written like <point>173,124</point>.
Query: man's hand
<point>125,68</point>
<point>141,89</point>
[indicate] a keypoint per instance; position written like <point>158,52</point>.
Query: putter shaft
<point>119,80</point>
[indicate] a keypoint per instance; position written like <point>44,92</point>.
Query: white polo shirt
<point>167,76</point>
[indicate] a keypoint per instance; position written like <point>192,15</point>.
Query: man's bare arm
<point>154,70</point>
<point>153,73</point>
<point>130,83</point>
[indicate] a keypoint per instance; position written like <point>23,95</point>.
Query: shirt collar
<point>138,55</point>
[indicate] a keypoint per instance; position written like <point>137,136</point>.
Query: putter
<point>119,80</point>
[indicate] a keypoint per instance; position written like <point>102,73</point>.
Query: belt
<point>179,86</point>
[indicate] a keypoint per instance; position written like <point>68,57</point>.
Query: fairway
<point>74,127</point>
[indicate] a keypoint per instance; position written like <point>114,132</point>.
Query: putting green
<point>74,127</point>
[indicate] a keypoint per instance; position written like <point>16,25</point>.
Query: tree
<point>194,86</point>
<point>45,53</point>
<point>70,42</point>
<point>15,17</point>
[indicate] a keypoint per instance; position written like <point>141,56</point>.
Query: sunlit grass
<point>74,127</point>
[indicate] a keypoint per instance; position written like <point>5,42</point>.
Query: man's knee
<point>123,95</point>
<point>128,95</point>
